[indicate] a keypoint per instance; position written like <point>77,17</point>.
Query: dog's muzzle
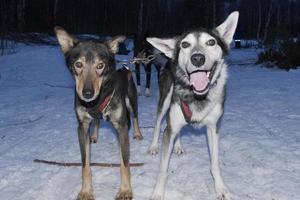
<point>200,80</point>
<point>88,93</point>
<point>198,59</point>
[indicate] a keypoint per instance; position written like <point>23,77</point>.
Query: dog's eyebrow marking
<point>197,35</point>
<point>81,58</point>
<point>191,38</point>
<point>204,37</point>
<point>89,56</point>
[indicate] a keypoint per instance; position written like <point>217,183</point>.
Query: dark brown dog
<point>101,92</point>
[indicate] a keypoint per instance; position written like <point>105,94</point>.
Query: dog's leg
<point>165,83</point>
<point>153,148</point>
<point>168,143</point>
<point>137,133</point>
<point>178,147</point>
<point>175,123</point>
<point>148,79</point>
<point>158,67</point>
<point>125,192</point>
<point>132,106</point>
<point>86,192</point>
<point>95,134</point>
<point>138,78</point>
<point>162,108</point>
<point>213,143</point>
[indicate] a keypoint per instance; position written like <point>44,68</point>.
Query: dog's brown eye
<point>100,66</point>
<point>211,42</point>
<point>185,44</point>
<point>78,64</point>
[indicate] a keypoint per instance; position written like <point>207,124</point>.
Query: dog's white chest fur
<point>208,115</point>
<point>213,109</point>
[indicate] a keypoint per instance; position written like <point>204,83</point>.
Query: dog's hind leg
<point>148,79</point>
<point>125,192</point>
<point>165,95</point>
<point>138,78</point>
<point>86,192</point>
<point>132,106</point>
<point>95,134</point>
<point>157,67</point>
<point>174,126</point>
<point>213,143</point>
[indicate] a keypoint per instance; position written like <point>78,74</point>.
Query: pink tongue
<point>199,80</point>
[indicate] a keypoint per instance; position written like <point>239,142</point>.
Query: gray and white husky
<point>192,90</point>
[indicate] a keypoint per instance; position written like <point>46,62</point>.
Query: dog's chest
<point>200,111</point>
<point>82,113</point>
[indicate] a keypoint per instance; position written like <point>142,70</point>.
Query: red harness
<point>104,103</point>
<point>187,113</point>
<point>97,111</point>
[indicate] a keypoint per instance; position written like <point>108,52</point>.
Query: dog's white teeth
<point>207,74</point>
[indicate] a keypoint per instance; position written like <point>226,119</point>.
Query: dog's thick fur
<point>101,91</point>
<point>193,90</point>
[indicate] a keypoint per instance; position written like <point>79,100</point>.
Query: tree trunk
<point>55,12</point>
<point>140,18</point>
<point>214,13</point>
<point>259,23</point>
<point>266,29</point>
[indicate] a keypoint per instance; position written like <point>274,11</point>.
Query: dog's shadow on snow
<point>189,130</point>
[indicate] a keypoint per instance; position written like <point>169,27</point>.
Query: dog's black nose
<point>198,59</point>
<point>87,93</point>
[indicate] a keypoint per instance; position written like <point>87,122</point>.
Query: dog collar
<point>98,110</point>
<point>103,105</point>
<point>187,113</point>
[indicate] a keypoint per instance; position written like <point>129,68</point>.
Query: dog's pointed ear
<point>65,40</point>
<point>113,44</point>
<point>166,46</point>
<point>228,27</point>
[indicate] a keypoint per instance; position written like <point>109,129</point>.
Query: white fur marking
<point>82,113</point>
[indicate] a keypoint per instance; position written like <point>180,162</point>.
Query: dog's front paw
<point>138,136</point>
<point>138,89</point>
<point>93,139</point>
<point>147,92</point>
<point>85,196</point>
<point>153,149</point>
<point>178,150</point>
<point>156,197</point>
<point>223,194</point>
<point>124,195</point>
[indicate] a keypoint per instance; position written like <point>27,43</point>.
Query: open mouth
<point>200,80</point>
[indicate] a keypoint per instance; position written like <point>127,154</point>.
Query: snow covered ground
<point>259,144</point>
